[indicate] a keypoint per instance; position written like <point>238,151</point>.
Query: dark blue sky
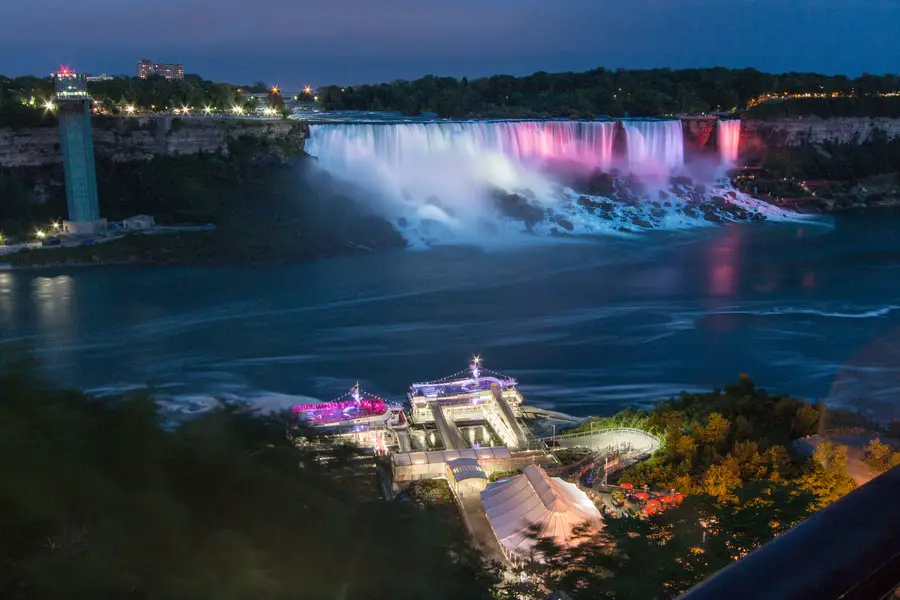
<point>295,42</point>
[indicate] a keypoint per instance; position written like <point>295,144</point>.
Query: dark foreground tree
<point>99,500</point>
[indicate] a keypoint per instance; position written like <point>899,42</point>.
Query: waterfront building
<point>360,418</point>
<point>136,223</point>
<point>147,67</point>
<point>77,144</point>
<point>473,396</point>
<point>100,77</point>
<point>466,477</point>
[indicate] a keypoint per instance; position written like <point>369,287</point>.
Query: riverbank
<point>202,248</point>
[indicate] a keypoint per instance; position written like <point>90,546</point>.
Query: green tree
<point>716,430</point>
<point>881,456</point>
<point>720,480</point>
<point>102,498</point>
<point>826,477</point>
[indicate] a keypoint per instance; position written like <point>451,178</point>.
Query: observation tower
<point>77,145</point>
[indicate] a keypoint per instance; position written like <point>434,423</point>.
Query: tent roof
<point>534,501</point>
<point>465,468</point>
<point>442,456</point>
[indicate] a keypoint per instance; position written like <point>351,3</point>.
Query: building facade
<point>147,67</point>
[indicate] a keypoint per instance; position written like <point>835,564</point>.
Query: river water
<point>810,309</point>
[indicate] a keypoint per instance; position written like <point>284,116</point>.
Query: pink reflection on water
<point>723,263</point>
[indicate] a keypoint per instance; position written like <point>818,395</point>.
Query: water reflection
<point>52,299</point>
<point>7,299</point>
<point>724,259</point>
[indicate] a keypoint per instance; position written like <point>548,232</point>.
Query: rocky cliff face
<point>756,135</point>
<point>698,132</point>
<point>126,139</point>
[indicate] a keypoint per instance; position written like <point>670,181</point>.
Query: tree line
<point>22,99</point>
<point>618,93</point>
<point>102,498</point>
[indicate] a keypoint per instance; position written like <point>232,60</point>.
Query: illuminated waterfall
<point>586,143</point>
<point>654,147</point>
<point>728,137</point>
<point>505,182</point>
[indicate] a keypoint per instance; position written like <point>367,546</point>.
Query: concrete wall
<point>140,138</point>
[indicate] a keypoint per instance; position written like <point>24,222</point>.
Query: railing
<point>849,551</point>
<point>570,436</point>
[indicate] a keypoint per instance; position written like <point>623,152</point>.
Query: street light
<point>237,110</point>
<point>48,105</point>
<point>130,109</point>
<point>185,110</point>
<point>40,234</point>
<point>207,110</point>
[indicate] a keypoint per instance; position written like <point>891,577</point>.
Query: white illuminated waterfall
<point>654,147</point>
<point>585,143</point>
<point>477,181</point>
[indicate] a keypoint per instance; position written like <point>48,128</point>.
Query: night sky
<point>296,42</point>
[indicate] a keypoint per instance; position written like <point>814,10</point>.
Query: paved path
<point>480,528</point>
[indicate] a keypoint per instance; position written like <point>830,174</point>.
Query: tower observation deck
<point>77,145</point>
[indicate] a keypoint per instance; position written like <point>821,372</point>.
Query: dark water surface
<point>809,309</point>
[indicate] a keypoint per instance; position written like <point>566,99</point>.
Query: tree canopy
<point>731,453</point>
<point>99,498</point>
<point>600,91</point>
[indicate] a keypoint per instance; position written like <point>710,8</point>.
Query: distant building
<point>100,77</point>
<point>147,67</point>
<point>137,222</point>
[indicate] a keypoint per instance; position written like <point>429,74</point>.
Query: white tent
<point>536,501</point>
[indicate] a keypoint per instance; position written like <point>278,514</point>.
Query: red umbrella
<point>654,503</point>
<point>668,499</point>
<point>627,486</point>
<point>642,495</point>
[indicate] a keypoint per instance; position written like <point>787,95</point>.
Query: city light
<point>307,90</point>
<point>237,110</point>
<point>275,89</point>
<point>207,110</point>
<point>130,109</point>
<point>40,233</point>
<point>186,110</point>
<point>48,105</point>
<point>55,225</point>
